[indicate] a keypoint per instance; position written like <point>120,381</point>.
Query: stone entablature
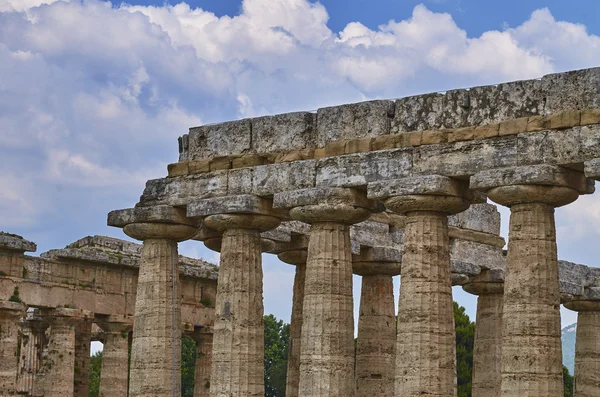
<point>98,274</point>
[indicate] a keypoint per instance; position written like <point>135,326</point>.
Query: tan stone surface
<point>531,345</point>
<point>10,313</point>
<point>587,355</point>
<point>113,377</point>
<point>82,358</point>
<point>238,344</point>
<point>327,354</point>
<point>155,367</point>
<point>293,368</point>
<point>425,344</point>
<point>204,348</point>
<point>375,358</point>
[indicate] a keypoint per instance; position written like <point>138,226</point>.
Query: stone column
<point>531,345</point>
<point>327,347</point>
<point>10,315</point>
<point>587,348</point>
<point>57,375</point>
<point>297,258</point>
<point>375,350</point>
<point>155,366</point>
<point>115,356</point>
<point>204,348</point>
<point>489,288</point>
<point>426,338</point>
<point>83,335</point>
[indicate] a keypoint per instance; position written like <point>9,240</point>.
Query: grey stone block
<point>414,185</point>
<point>15,242</point>
<point>357,120</point>
<point>579,89</point>
<point>456,108</point>
<point>592,169</point>
<point>479,217</point>
<point>320,195</point>
<point>283,132</point>
<point>466,268</point>
<point>222,139</point>
<point>179,191</point>
<point>482,255</point>
<point>156,214</point>
<point>242,204</point>
<point>274,178</point>
<point>416,113</point>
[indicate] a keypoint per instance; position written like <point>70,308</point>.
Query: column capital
<point>162,221</point>
<point>377,261</point>
<point>543,183</point>
<point>435,193</point>
<point>12,309</point>
<point>114,324</point>
<point>294,257</point>
<point>327,204</point>
<point>583,305</point>
<point>487,282</point>
<point>63,316</point>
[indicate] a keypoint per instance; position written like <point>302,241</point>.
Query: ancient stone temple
<point>377,189</point>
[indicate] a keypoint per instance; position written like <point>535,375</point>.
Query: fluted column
<point>375,350</point>
<point>10,315</point>
<point>57,375</point>
<point>426,338</point>
<point>297,258</point>
<point>587,348</point>
<point>238,339</point>
<point>115,356</point>
<point>155,366</point>
<point>83,339</point>
<point>204,347</point>
<point>327,345</point>
<point>488,334</point>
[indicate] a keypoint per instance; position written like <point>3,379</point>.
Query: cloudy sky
<point>93,94</point>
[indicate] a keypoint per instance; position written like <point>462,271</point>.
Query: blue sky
<point>93,95</point>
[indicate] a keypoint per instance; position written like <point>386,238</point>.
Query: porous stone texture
<point>531,345</point>
<point>155,366</point>
<point>10,313</point>
<point>222,139</point>
<point>15,242</point>
<point>425,344</point>
<point>587,354</point>
<point>82,358</point>
<point>115,357</point>
<point>204,347</point>
<point>327,354</point>
<point>299,129</point>
<point>375,347</point>
<point>238,341</point>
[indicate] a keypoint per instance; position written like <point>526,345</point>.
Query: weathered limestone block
<point>327,354</point>
<point>82,358</point>
<point>155,368</point>
<point>204,347</point>
<point>482,217</point>
<point>12,248</point>
<point>221,139</point>
<point>113,379</point>
<point>238,339</point>
<point>375,349</point>
<point>274,178</point>
<point>487,351</point>
<point>587,348</point>
<point>297,258</point>
<point>57,375</point>
<point>421,112</point>
<point>10,314</point>
<point>357,120</point>
<point>579,89</point>
<point>283,132</point>
<point>483,255</point>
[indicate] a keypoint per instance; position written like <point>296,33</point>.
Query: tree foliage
<point>95,368</point>
<point>465,338</point>
<point>277,339</point>
<point>568,380</point>
<point>188,365</point>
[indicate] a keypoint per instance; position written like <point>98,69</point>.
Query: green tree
<point>277,339</point>
<point>95,368</point>
<point>465,338</point>
<point>568,380</point>
<point>188,365</point>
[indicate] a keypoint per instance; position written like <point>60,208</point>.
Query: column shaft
<point>531,345</point>
<point>293,368</point>
<point>204,347</point>
<point>83,335</point>
<point>10,314</point>
<point>426,341</point>
<point>587,355</point>
<point>375,356</point>
<point>327,356</point>
<point>238,344</point>
<point>156,347</point>
<point>113,377</point>
<point>488,346</point>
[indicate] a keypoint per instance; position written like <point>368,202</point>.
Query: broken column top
<point>15,242</point>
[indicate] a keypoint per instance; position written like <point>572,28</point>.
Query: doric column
<point>531,345</point>
<point>10,315</point>
<point>327,354</point>
<point>83,335</point>
<point>375,350</point>
<point>57,375</point>
<point>155,364</point>
<point>238,338</point>
<point>204,348</point>
<point>297,258</point>
<point>426,338</point>
<point>587,348</point>
<point>115,356</point>
<point>489,287</point>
